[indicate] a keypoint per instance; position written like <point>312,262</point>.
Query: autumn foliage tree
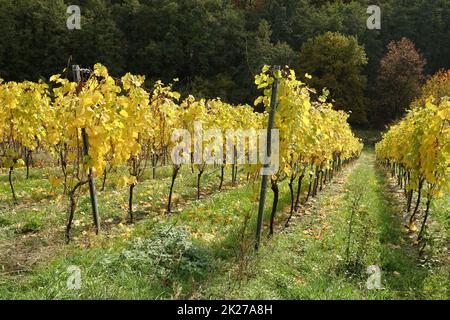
<point>399,79</point>
<point>437,86</point>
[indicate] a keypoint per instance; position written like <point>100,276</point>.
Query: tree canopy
<point>214,47</point>
<point>400,77</point>
<point>336,62</point>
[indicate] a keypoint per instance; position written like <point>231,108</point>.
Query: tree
<point>336,62</point>
<point>399,79</point>
<point>261,51</point>
<point>33,38</point>
<point>426,23</point>
<point>437,86</point>
<point>99,40</point>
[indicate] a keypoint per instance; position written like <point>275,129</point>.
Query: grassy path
<point>322,258</point>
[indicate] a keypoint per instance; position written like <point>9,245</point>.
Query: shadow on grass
<point>399,258</point>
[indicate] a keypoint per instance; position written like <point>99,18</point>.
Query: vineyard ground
<point>308,260</point>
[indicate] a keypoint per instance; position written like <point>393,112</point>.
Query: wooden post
<point>262,197</point>
<point>92,191</point>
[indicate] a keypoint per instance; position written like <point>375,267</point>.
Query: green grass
<point>308,260</point>
<point>213,222</point>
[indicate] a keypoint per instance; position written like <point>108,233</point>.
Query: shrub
<point>168,253</point>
